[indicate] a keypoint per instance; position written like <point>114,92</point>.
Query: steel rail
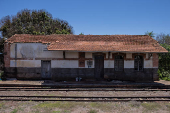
<point>151,86</point>
<point>82,89</point>
<point>144,100</point>
<point>84,99</point>
<point>89,97</point>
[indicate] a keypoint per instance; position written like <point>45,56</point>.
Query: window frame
<point>118,64</point>
<point>138,63</point>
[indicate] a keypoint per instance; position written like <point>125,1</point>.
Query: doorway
<point>46,69</point>
<point>99,67</point>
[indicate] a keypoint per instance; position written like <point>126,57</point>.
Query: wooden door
<point>99,67</point>
<point>46,69</point>
<point>119,63</point>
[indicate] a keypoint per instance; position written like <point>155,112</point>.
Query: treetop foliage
<point>33,22</point>
<point>81,33</point>
<point>150,33</point>
<point>164,58</point>
<point>163,39</point>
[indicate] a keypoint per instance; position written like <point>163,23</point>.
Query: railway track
<point>140,86</point>
<point>81,98</point>
<point>75,89</point>
<point>84,99</point>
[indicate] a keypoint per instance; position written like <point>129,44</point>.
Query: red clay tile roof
<point>96,43</point>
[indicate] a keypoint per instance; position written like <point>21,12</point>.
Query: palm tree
<point>150,33</point>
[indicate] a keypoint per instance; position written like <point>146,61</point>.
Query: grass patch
<point>61,105</point>
<point>92,111</point>
<point>56,112</point>
<point>135,104</point>
<point>102,106</point>
<point>168,107</point>
<point>1,105</point>
<point>151,106</point>
<point>14,111</point>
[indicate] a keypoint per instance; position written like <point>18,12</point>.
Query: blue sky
<point>101,17</point>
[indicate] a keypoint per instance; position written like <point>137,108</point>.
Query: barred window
<point>138,66</point>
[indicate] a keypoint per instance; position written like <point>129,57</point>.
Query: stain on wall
<point>33,50</point>
<point>26,63</point>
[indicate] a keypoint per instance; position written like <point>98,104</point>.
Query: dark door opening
<point>119,63</point>
<point>99,67</point>
<point>138,63</point>
<point>46,69</point>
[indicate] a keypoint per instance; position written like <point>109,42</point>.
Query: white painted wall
<point>25,63</point>
<point>148,63</point>
<point>128,55</point>
<point>74,63</point>
<point>36,50</point>
<point>33,50</point>
<point>64,64</point>
<point>129,64</point>
<point>88,55</point>
<point>71,55</point>
<point>109,64</point>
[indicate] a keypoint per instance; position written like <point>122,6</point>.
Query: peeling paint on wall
<point>33,50</point>
<point>27,51</point>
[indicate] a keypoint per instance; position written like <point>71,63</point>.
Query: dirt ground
<point>84,107</point>
<point>86,93</point>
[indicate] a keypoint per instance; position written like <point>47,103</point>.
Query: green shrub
<point>164,74</point>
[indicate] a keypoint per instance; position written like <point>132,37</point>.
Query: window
<point>138,63</point>
<point>119,63</point>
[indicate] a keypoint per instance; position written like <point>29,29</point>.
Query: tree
<point>150,33</point>
<point>164,58</point>
<point>81,33</point>
<point>163,38</point>
<point>33,22</point>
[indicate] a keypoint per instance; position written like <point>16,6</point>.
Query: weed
<point>135,104</point>
<point>92,111</point>
<point>14,111</point>
<point>102,106</point>
<point>1,105</point>
<point>64,105</point>
<point>56,112</point>
<point>151,106</point>
<point>168,106</point>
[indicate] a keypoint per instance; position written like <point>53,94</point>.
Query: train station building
<point>82,57</point>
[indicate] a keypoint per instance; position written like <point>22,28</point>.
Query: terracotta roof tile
<point>118,43</point>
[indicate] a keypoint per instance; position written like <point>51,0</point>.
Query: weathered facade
<point>67,57</point>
